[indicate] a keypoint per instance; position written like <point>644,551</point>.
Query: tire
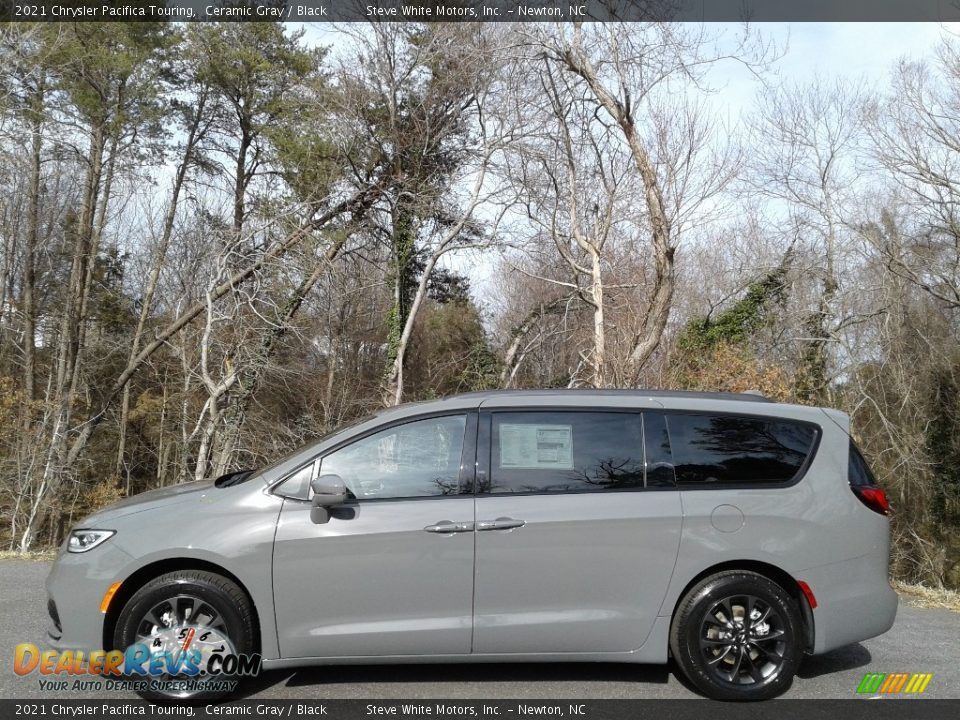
<point>726,658</point>
<point>216,600</point>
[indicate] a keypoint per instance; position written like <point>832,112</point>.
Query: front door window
<point>415,459</point>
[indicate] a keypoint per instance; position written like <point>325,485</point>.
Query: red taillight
<point>808,593</point>
<point>873,497</point>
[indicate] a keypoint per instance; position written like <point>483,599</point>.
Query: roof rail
<point>748,396</point>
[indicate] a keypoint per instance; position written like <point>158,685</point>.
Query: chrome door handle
<point>446,527</point>
<point>501,523</point>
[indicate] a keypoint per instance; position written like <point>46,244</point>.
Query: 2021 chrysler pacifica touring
<point>729,532</point>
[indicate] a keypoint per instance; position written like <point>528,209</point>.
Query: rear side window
<point>859,473</point>
<point>562,452</point>
<point>712,450</point>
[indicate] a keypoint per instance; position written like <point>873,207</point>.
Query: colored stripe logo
<point>894,683</point>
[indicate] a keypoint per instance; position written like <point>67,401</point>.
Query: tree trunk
<point>361,199</point>
<point>29,258</point>
<point>221,446</point>
<point>63,391</point>
<point>513,357</point>
<point>648,338</point>
<point>403,246</point>
<point>268,340</point>
<point>194,137</point>
<point>394,388</point>
<point>69,328</point>
<point>599,337</point>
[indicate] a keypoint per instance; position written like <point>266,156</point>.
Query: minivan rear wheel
<point>206,611</point>
<point>736,636</point>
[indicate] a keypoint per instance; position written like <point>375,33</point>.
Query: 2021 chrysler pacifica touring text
<point>729,532</point>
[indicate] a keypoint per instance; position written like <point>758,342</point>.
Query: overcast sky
<point>853,50</point>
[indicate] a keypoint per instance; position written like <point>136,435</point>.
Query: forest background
<point>220,241</point>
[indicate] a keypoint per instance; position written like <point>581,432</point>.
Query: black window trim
<point>485,448</point>
<point>643,426</point>
<point>800,474</point>
<point>468,456</point>
<point>274,489</point>
<point>478,447</point>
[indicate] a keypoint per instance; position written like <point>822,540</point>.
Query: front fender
<point>234,532</point>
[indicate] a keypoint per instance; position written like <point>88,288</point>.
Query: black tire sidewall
<point>685,633</point>
<point>207,587</point>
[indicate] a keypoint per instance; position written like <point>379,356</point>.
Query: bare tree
<point>804,163</point>
<point>197,121</point>
<point>915,134</point>
<point>28,79</point>
<point>625,81</point>
<point>521,344</point>
<point>574,183</point>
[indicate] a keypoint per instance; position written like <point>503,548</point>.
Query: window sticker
<point>542,447</point>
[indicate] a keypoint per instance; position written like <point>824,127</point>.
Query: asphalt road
<point>920,641</point>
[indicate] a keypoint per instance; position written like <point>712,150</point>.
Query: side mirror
<point>328,490</point>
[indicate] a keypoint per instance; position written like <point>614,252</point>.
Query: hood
<point>161,497</point>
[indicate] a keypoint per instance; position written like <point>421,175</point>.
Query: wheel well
<point>771,572</point>
<point>147,573</point>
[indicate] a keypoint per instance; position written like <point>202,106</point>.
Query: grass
<point>922,596</point>
<point>40,555</point>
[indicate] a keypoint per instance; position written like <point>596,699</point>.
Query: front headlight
<point>83,540</point>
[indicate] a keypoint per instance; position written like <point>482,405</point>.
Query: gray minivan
<point>729,532</point>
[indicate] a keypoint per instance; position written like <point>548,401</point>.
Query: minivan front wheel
<point>736,636</point>
<point>194,610</point>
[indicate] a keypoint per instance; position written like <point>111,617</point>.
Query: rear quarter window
<point>859,473</point>
<point>731,450</point>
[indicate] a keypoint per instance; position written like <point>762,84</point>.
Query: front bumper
<point>75,588</point>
